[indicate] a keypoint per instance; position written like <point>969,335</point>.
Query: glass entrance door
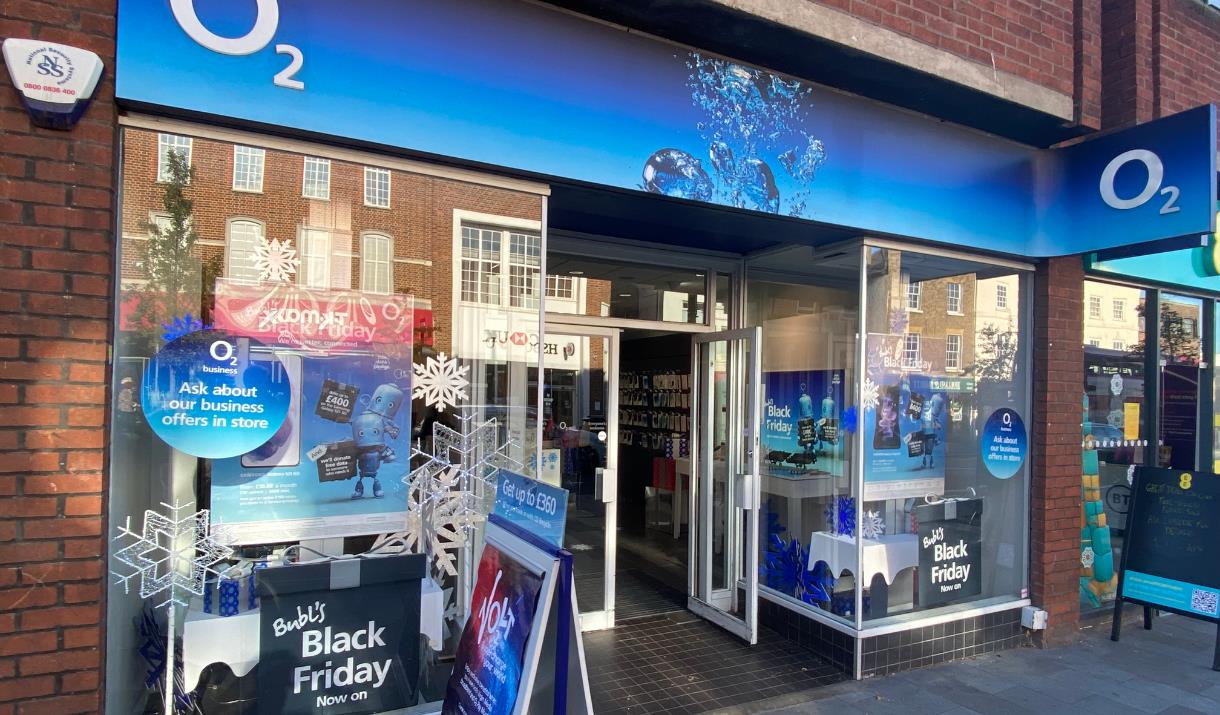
<point>723,581</point>
<point>580,453</point>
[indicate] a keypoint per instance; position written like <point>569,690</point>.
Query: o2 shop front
<point>779,344</point>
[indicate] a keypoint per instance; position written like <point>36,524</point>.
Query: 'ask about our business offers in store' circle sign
<point>213,395</point>
<point>1004,443</point>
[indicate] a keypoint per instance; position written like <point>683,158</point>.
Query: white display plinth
<point>208,638</point>
<point>885,555</point>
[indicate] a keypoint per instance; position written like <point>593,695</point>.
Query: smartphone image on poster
<point>284,447</point>
<point>885,430</point>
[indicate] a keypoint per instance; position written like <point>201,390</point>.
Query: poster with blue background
<point>801,423</point>
<point>335,466</point>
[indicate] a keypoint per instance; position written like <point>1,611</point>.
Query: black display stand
<point>1165,546</point>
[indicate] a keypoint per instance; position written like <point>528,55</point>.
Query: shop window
<point>1001,297</point>
<point>636,290</point>
<point>316,182</point>
<point>315,258</point>
<point>248,168</point>
<point>1094,307</point>
<point>376,263</point>
<point>167,143</point>
<point>953,293</point>
<point>1181,376</point>
<point>376,187</point>
<point>953,352</point>
<point>1119,309</point>
<point>243,241</point>
<point>914,295</point>
<point>1114,440</point>
<point>331,357</point>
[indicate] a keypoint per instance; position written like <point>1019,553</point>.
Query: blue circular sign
<point>213,395</point>
<point>1004,443</point>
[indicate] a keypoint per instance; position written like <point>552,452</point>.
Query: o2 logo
<point>1156,175</point>
<point>266,22</point>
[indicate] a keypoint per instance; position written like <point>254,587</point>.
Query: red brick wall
<point>56,253</point>
<point>1055,488</point>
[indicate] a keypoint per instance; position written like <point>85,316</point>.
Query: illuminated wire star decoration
<point>453,514</point>
<point>174,553</point>
<point>441,382</point>
<point>275,260</point>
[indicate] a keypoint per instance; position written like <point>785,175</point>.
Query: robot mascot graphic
<point>369,431</point>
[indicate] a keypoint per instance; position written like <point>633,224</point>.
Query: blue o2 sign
<point>1155,172</point>
<point>213,395</point>
<point>1004,443</point>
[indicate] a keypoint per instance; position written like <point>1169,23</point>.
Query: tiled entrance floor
<point>679,663</point>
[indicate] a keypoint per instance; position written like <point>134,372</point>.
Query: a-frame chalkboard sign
<point>1171,553</point>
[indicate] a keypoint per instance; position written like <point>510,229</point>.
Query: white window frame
<point>229,272</point>
<point>306,238</point>
<point>956,363</point>
<point>1095,307</point>
<point>505,224</point>
<point>914,290</point>
<point>171,142</point>
<point>320,164</point>
<point>1094,343</point>
<point>1118,309</point>
<point>523,293</point>
<point>1001,296</point>
<point>950,299</point>
<point>369,173</point>
<point>369,263</point>
<point>561,287</point>
<point>908,361</point>
<point>1118,345</point>
<point>252,153</point>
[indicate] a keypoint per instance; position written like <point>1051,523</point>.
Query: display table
<point>208,638</point>
<point>885,555</point>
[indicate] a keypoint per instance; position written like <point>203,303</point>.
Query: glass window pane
<point>1181,375</point>
<point>620,289</point>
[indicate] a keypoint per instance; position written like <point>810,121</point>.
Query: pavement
<point>1166,670</point>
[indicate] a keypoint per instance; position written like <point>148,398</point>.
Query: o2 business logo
<point>266,22</point>
<point>1156,176</point>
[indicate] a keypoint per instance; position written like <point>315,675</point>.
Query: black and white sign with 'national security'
<point>950,537</point>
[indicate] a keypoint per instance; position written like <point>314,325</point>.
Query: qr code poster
<point>1205,602</point>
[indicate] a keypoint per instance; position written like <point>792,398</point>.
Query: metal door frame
<point>744,419</point>
<point>604,618</point>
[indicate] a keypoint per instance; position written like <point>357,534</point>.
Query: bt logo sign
<point>1156,176</point>
<point>266,22</point>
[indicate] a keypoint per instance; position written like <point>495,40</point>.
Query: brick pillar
<point>1129,35</point>
<point>56,258</point>
<point>1055,493</point>
<point>1086,64</point>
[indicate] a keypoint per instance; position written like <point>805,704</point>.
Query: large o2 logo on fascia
<point>266,22</point>
<point>1155,172</point>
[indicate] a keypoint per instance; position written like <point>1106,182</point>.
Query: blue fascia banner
<point>541,91</point>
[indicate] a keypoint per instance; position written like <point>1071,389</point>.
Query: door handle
<point>745,492</point>
<point>605,486</point>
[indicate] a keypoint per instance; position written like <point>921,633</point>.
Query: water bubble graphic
<point>673,172</point>
<point>758,184</point>
<point>722,157</point>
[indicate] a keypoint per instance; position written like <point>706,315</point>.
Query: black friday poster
<point>278,493</point>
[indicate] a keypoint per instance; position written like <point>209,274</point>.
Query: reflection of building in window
<point>953,294</point>
<point>481,265</point>
<point>315,258</point>
<point>376,187</point>
<point>167,143</point>
<point>1094,342</point>
<point>524,264</point>
<point>1095,307</point>
<point>376,263</point>
<point>244,236</point>
<point>1120,309</point>
<point>914,295</point>
<point>910,351</point>
<point>248,168</point>
<point>1101,328</point>
<point>1188,326</point>
<point>953,352</point>
<point>316,183</point>
<point>560,287</point>
<point>1118,345</point>
<point>1001,296</point>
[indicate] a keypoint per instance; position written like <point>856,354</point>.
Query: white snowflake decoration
<point>871,524</point>
<point>1131,475</point>
<point>441,382</point>
<point>1087,556</point>
<point>173,552</point>
<point>275,260</point>
<point>435,494</point>
<point>869,394</point>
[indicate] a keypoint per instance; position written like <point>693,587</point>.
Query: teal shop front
<point>776,341</point>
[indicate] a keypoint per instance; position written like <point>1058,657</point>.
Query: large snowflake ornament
<point>869,394</point>
<point>440,515</point>
<point>872,525</point>
<point>275,260</point>
<point>441,382</point>
<point>172,554</point>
